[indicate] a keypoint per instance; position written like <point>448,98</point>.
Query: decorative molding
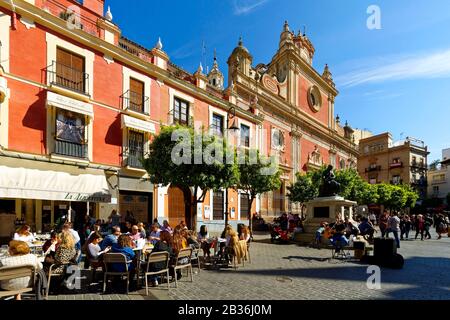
<point>108,59</point>
<point>28,23</point>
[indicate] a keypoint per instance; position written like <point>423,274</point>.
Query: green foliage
<point>304,189</point>
<point>254,177</point>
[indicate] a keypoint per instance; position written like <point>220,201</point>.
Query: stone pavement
<point>285,272</point>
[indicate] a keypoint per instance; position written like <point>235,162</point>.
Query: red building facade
<point>79,104</point>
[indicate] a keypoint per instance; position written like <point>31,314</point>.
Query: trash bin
<point>384,248</point>
<point>360,248</point>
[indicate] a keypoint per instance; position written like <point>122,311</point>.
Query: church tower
<point>215,77</point>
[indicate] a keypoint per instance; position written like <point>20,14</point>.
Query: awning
<point>3,89</point>
<point>27,183</point>
<point>137,124</point>
<point>66,103</point>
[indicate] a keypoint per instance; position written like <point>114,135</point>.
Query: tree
<point>257,175</point>
<point>195,163</point>
<point>303,190</point>
<point>398,198</point>
<point>384,194</point>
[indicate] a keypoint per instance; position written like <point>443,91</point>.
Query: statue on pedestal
<point>329,187</point>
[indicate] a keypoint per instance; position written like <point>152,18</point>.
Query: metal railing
<point>373,168</point>
<point>133,158</point>
<point>67,77</point>
<point>135,49</point>
<point>135,101</point>
<point>396,165</point>
<point>71,149</point>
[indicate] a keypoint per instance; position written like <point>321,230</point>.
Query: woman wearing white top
<point>94,250</point>
<point>24,234</point>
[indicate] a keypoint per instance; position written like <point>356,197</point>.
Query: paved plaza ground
<point>286,272</point>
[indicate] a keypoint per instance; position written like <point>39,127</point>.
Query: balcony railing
<point>373,168</point>
<point>133,158</point>
<point>69,78</point>
<point>135,49</point>
<point>71,149</point>
<point>396,165</point>
<point>135,102</point>
<point>396,182</point>
<point>416,164</point>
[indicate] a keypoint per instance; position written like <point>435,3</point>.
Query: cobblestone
<point>291,272</point>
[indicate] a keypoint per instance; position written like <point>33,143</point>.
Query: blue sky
<point>393,79</point>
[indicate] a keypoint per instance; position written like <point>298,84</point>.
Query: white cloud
<point>246,6</point>
<point>419,66</point>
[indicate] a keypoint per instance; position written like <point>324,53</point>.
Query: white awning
<point>26,183</point>
<point>3,89</point>
<point>137,124</point>
<point>66,103</point>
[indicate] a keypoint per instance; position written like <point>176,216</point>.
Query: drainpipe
<point>14,16</point>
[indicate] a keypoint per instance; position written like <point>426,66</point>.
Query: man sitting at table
<point>135,234</point>
<point>154,236</point>
<point>111,239</point>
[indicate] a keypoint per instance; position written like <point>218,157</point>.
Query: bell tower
<point>215,77</point>
<point>240,60</point>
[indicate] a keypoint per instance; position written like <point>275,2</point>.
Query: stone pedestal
<point>324,209</point>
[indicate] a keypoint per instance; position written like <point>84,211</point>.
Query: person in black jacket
<point>163,245</point>
<point>427,225</point>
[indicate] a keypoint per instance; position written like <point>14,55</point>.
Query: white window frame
<point>125,137</point>
<point>250,125</point>
<point>214,110</point>
<point>127,75</point>
<point>211,203</point>
<point>177,94</point>
<point>53,42</point>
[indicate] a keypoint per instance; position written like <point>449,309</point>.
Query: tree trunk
<point>250,218</point>
<point>226,208</point>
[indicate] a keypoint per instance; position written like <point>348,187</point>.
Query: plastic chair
<point>110,258</point>
<point>156,257</point>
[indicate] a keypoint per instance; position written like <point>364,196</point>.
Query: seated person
<point>366,228</point>
<point>298,229</point>
<point>164,244</point>
<point>94,252</point>
<point>135,234</point>
<point>154,235</point>
<point>111,239</point>
<point>203,237</point>
<point>19,255</point>
<point>123,246</point>
<point>24,234</point>
<point>350,229</point>
<point>65,254</point>
<point>338,240</point>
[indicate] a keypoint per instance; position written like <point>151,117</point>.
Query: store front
<point>42,194</point>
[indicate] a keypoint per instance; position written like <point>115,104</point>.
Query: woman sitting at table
<point>50,246</point>
<point>244,234</point>
<point>24,234</point>
<point>123,246</point>
<point>179,242</point>
<point>163,245</point>
<point>203,238</point>
<point>65,253</point>
<point>94,252</point>
<point>19,255</point>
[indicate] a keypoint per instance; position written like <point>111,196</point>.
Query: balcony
<point>396,182</point>
<point>394,165</point>
<point>135,102</point>
<point>373,168</point>
<point>71,149</point>
<point>132,158</point>
<point>419,165</point>
<point>68,78</point>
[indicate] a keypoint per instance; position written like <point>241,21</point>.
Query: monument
<point>327,207</point>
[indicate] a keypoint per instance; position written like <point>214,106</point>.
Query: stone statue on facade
<point>329,187</point>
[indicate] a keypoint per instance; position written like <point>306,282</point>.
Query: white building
<point>439,177</point>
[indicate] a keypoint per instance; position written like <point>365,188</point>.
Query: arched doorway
<point>176,206</point>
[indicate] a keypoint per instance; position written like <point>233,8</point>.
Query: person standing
<point>373,218</point>
<point>405,226</point>
<point>427,225</point>
<point>441,226</point>
<point>419,226</point>
<point>394,227</point>
<point>383,223</point>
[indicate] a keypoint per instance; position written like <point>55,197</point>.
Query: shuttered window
<point>136,95</point>
<point>245,202</point>
<point>218,208</point>
<point>70,70</point>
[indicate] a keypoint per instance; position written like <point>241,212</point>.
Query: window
<point>277,139</point>
<point>245,203</point>
<point>245,136</point>
<point>135,149</point>
<point>181,112</point>
<point>218,207</point>
<point>136,96</point>
<point>70,70</point>
<point>70,134</point>
<point>217,125</point>
<point>435,191</point>
<point>396,179</point>
<point>373,180</point>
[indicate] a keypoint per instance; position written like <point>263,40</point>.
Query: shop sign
<point>88,197</point>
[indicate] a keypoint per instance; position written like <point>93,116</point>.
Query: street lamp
<point>233,129</point>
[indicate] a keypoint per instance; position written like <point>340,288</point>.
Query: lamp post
<point>231,115</point>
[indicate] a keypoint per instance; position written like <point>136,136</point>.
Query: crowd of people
<point>95,238</point>
<point>343,231</point>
